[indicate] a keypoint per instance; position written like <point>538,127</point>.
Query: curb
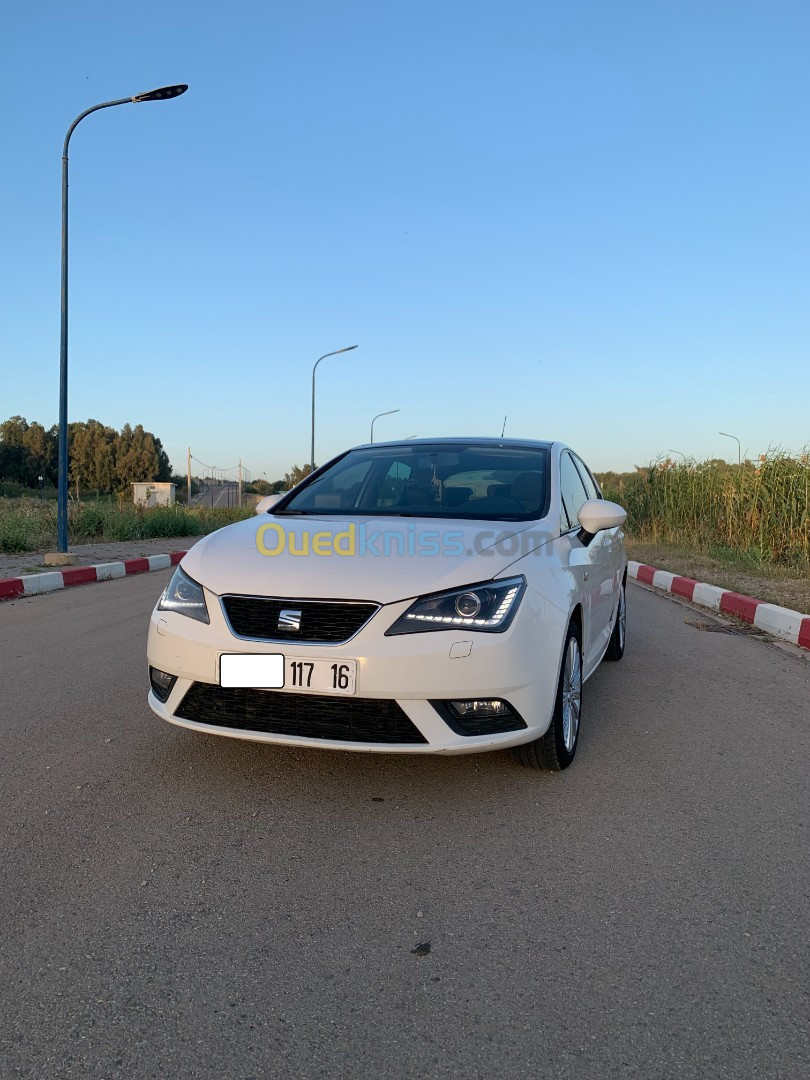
<point>34,584</point>
<point>777,621</point>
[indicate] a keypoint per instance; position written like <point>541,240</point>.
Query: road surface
<point>178,905</point>
<point>218,495</point>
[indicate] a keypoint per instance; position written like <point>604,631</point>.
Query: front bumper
<point>520,665</point>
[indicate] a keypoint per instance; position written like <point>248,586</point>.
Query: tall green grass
<point>761,510</point>
<point>30,524</point>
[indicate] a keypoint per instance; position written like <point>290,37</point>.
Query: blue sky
<point>589,216</point>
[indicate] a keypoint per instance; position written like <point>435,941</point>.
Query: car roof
<point>470,440</point>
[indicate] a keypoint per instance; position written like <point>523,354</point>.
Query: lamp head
<point>162,93</point>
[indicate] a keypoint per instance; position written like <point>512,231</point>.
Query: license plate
<point>274,671</point>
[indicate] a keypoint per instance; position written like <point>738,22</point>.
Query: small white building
<point>154,494</point>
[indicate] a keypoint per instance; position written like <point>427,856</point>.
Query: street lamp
<point>726,435</point>
<point>164,93</point>
<point>337,352</point>
<point>377,417</point>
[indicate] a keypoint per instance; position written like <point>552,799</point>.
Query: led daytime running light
<point>458,620</point>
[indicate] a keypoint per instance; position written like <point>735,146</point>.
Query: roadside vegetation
<point>757,510</point>
<point>28,524</point>
<point>744,527</point>
<point>102,461</point>
<point>101,458</point>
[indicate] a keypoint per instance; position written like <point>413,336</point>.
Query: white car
<point>440,596</point>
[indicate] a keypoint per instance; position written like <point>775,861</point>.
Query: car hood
<point>230,560</point>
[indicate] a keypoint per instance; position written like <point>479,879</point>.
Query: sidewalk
<point>31,562</point>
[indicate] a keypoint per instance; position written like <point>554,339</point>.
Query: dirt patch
<point>772,584</point>
<point>31,562</point>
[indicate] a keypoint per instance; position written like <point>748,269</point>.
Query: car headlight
<point>184,596</point>
<point>477,607</point>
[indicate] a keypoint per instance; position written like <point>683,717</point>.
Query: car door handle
<point>585,575</point>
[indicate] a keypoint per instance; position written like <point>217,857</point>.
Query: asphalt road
<point>178,905</point>
<point>221,495</point>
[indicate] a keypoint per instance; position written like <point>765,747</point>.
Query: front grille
<point>329,621</point>
<point>310,716</point>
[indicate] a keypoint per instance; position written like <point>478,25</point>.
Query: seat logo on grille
<point>289,619</point>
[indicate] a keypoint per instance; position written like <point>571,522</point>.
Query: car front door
<point>591,565</point>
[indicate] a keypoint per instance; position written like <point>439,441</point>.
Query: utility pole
<point>188,468</point>
<point>240,481</point>
<point>337,352</point>
<point>377,417</point>
<point>726,435</point>
<point>162,94</point>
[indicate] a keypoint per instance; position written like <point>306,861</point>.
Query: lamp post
<point>337,352</point>
<point>377,417</point>
<point>726,435</point>
<point>164,93</point>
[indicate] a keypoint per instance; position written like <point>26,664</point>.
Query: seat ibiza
<point>439,596</point>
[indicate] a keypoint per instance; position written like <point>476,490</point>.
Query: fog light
<point>480,716</point>
<point>481,707</point>
<point>162,683</point>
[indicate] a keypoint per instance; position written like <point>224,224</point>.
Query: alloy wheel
<point>571,695</point>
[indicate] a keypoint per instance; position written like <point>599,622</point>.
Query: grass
<point>28,524</point>
<point>772,583</point>
<point>742,527</point>
<point>754,513</point>
<point>745,528</point>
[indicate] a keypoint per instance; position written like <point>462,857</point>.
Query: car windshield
<point>465,480</point>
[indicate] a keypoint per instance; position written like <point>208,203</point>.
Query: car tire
<point>556,749</point>
<point>615,649</point>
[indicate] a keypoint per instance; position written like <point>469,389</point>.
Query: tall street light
<point>377,417</point>
<point>162,94</point>
<point>726,435</point>
<point>337,352</point>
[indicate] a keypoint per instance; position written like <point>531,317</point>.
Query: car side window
<point>572,492</point>
<point>341,489</point>
<point>587,478</point>
<point>394,483</point>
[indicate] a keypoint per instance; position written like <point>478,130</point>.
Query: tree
<point>164,469</point>
<point>40,451</point>
<point>92,456</point>
<point>12,449</point>
<point>27,451</point>
<point>101,458</point>
<point>140,457</point>
<point>181,483</point>
<point>295,476</point>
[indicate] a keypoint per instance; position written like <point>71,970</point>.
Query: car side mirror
<point>263,505</point>
<point>596,515</point>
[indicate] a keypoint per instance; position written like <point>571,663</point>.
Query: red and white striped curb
<point>778,621</point>
<point>33,584</point>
